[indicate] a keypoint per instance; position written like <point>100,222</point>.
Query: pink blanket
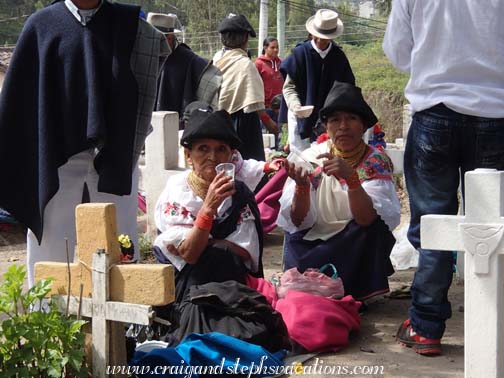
<point>317,323</point>
<point>267,200</point>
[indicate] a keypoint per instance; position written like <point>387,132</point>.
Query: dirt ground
<point>373,346</point>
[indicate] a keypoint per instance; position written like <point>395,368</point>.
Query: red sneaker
<point>407,337</point>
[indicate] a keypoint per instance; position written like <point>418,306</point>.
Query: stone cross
<point>479,234</point>
<point>111,293</point>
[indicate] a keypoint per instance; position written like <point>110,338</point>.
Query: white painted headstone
<point>479,234</point>
<point>162,159</point>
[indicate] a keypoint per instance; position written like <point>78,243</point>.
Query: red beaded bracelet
<point>266,168</point>
<point>302,189</point>
<point>203,221</point>
<point>353,181</point>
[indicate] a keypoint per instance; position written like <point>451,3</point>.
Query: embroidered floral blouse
<point>176,210</point>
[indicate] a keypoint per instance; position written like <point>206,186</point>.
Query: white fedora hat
<point>165,23</point>
<point>325,24</point>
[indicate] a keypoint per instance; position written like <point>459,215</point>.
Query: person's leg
<point>59,217</point>
<point>126,206</point>
<point>432,179</point>
<point>484,140</point>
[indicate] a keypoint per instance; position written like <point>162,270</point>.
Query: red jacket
<point>272,78</point>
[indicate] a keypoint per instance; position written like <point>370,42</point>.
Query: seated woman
<point>210,225</point>
<point>342,212</point>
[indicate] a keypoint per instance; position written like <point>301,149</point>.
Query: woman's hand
<point>274,165</point>
<point>335,166</point>
<point>221,187</point>
<point>298,174</point>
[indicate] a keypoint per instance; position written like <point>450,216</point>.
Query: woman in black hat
<point>242,90</point>
<point>210,225</point>
<point>340,205</point>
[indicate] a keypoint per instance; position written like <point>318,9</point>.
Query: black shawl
<point>68,88</point>
<point>179,80</point>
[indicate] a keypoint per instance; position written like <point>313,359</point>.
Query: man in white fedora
<point>186,77</point>
<point>309,73</point>
<point>166,24</point>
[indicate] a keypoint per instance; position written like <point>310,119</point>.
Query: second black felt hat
<point>236,24</point>
<point>348,98</point>
<point>204,124</point>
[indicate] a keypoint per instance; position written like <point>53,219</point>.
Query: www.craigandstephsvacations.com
<point>228,367</point>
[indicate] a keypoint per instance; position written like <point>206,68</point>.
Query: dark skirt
<point>216,264</point>
<point>248,127</point>
<point>360,254</point>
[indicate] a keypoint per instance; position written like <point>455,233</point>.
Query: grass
<point>373,71</point>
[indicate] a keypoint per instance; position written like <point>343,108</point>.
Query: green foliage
<point>299,11</point>
<point>36,343</point>
<point>145,247</point>
<point>384,7</point>
<point>373,70</point>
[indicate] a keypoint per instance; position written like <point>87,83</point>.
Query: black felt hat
<point>204,124</point>
<point>236,24</point>
<point>348,98</point>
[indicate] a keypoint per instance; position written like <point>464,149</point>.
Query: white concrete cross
<point>479,234</point>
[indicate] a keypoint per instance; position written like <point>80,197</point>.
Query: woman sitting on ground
<point>344,211</point>
<point>210,225</point>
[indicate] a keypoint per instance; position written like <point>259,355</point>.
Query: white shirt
<point>454,52</point>
<point>176,210</point>
<point>322,53</point>
<point>82,15</point>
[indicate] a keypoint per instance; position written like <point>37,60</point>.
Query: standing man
<point>310,72</point>
<point>186,77</point>
<point>454,53</point>
<point>75,110</point>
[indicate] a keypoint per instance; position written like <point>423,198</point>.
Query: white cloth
<point>249,171</point>
<point>454,52</point>
<point>328,216</point>
<point>59,214</point>
<point>295,140</point>
<point>333,210</point>
<point>322,53</point>
<point>242,86</point>
<point>82,15</point>
<point>176,210</point>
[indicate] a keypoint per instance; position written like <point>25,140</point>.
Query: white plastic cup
<point>227,168</point>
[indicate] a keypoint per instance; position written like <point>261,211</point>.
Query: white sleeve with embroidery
<point>385,201</point>
<point>173,220</point>
<point>284,217</point>
<point>249,171</point>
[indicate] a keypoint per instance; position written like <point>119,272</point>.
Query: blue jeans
<point>442,145</point>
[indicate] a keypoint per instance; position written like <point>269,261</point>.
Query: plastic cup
<point>227,168</point>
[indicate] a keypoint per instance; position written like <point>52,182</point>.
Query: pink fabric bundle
<point>267,200</point>
<point>317,323</point>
